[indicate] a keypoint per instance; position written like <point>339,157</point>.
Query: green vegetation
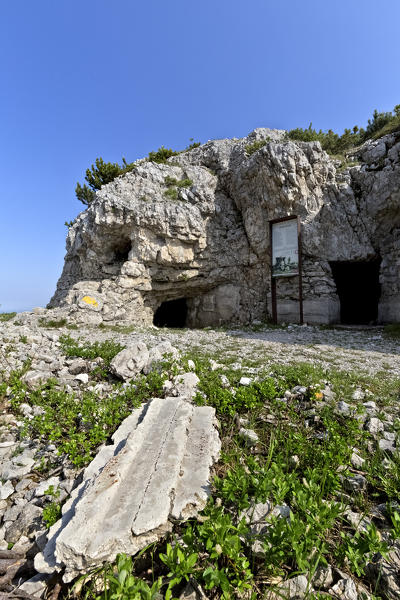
<point>99,174</point>
<point>52,323</point>
<point>251,148</point>
<point>299,466</point>
<point>161,155</point>
<point>381,123</point>
<point>174,186</point>
<point>392,331</point>
<point>7,316</point>
<point>77,426</point>
<point>182,183</point>
<point>105,350</point>
<point>52,511</point>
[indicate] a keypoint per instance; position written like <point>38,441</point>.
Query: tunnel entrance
<point>171,313</point>
<point>358,289</point>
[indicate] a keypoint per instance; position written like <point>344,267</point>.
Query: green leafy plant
<point>121,584</point>
<point>180,562</point>
<point>52,511</point>
<point>358,550</point>
<point>105,350</point>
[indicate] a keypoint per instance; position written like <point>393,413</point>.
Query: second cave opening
<point>358,288</point>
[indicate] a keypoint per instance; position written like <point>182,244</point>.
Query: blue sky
<point>88,78</point>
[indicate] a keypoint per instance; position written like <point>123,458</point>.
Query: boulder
<point>128,363</point>
<point>156,472</point>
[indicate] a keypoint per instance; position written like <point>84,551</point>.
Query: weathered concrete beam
<point>156,471</point>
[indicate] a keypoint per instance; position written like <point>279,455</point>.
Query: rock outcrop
<point>155,473</point>
<point>195,230</point>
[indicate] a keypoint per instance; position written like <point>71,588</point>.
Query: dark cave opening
<point>358,288</point>
<point>171,313</point>
<point>121,250</point>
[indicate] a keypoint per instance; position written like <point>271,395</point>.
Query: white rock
<point>249,436</point>
<point>6,490</point>
<point>157,470</point>
<point>82,377</point>
<point>128,363</point>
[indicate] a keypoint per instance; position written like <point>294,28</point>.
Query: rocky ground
<point>331,425</point>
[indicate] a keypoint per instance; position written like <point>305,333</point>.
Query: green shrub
<point>171,193</point>
<point>105,350</point>
<point>162,155</point>
<point>7,316</point>
<point>182,183</point>
<point>119,583</point>
<point>381,123</point>
<point>251,148</point>
<point>98,175</point>
<point>392,331</point>
<point>51,323</point>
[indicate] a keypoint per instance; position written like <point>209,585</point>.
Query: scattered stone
<point>249,436</point>
<point>358,394</point>
<point>185,385</point>
<point>35,379</point>
<point>374,426</point>
<point>357,461</point>
<point>345,589</point>
<point>384,574</point>
<point>323,578</point>
<point>128,363</point>
<point>28,521</point>
<point>82,377</point>
<point>342,408</point>
<point>36,586</point>
<point>386,446</point>
<point>6,490</point>
<point>245,381</point>
<point>77,366</point>
<point>295,589</point>
<point>354,483</point>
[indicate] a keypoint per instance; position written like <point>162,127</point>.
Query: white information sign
<point>285,249</point>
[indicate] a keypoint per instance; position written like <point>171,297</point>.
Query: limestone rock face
<point>145,241</point>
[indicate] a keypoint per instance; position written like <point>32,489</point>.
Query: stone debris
<point>128,363</point>
<point>157,471</point>
<point>248,436</point>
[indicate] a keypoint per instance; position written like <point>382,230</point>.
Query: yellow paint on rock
<point>90,300</point>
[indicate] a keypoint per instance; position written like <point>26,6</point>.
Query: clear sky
<point>112,78</point>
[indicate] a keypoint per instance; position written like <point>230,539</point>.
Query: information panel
<point>285,249</point>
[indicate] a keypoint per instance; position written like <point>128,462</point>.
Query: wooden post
<point>300,271</point>
<point>273,282</point>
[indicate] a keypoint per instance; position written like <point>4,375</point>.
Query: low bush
<point>7,316</point>
<point>105,350</point>
<point>381,123</point>
<point>392,331</point>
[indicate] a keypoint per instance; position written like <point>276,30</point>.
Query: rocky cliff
<point>196,229</point>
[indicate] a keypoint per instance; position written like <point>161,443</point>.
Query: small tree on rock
<point>98,175</point>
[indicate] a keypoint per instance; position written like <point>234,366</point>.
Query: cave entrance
<point>172,313</point>
<point>358,288</point>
